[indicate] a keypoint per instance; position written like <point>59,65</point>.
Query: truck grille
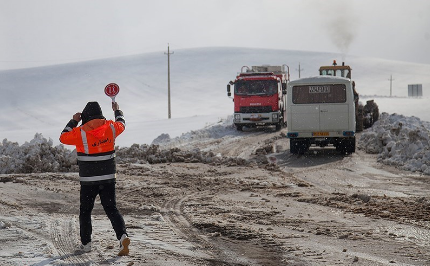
<point>256,109</point>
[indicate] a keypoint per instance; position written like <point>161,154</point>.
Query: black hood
<point>91,111</point>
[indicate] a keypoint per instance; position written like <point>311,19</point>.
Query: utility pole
<point>169,112</point>
<point>391,85</point>
<point>300,69</point>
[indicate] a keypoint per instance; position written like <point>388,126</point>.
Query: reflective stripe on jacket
<point>95,147</point>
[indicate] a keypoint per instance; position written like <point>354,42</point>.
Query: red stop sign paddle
<point>111,90</point>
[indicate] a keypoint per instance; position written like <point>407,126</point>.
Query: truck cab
<point>343,71</point>
<point>259,96</point>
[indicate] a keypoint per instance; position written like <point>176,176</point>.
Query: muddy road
<point>320,208</point>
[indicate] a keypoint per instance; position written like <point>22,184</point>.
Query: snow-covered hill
<point>43,99</point>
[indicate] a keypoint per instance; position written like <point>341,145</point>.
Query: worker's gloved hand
<point>77,117</point>
<point>115,106</point>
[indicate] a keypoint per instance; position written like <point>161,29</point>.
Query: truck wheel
<point>239,127</point>
<point>351,145</point>
<point>359,118</point>
<point>278,126</point>
<point>304,147</point>
<point>298,146</point>
<point>346,146</point>
<point>293,146</point>
<point>359,124</point>
<point>375,114</point>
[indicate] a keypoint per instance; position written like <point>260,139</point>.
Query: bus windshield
<point>256,87</point>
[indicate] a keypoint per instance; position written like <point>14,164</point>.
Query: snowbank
<point>399,140</point>
<point>153,154</point>
<point>36,156</point>
<point>182,149</point>
<point>224,127</point>
<point>39,155</point>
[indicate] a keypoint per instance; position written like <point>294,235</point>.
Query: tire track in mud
<point>172,214</point>
<point>62,231</point>
<point>244,147</point>
<point>221,250</point>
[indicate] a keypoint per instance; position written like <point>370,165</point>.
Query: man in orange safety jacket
<point>95,147</point>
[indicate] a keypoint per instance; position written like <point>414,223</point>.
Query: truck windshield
<point>330,93</point>
<point>256,87</point>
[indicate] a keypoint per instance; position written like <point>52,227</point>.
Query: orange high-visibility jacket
<point>95,147</point>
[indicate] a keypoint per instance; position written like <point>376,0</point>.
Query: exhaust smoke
<point>341,33</point>
<point>339,22</point>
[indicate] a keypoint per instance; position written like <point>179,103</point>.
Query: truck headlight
<point>237,118</point>
<point>275,117</point>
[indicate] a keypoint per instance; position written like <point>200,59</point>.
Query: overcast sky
<point>57,31</point>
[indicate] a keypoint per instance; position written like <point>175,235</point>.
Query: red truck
<point>259,96</point>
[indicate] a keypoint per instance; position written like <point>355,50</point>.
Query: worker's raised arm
<point>68,136</point>
<point>119,119</point>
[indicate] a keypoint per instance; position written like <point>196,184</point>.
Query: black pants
<point>108,200</point>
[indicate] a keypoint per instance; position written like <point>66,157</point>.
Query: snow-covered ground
<point>38,102</point>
